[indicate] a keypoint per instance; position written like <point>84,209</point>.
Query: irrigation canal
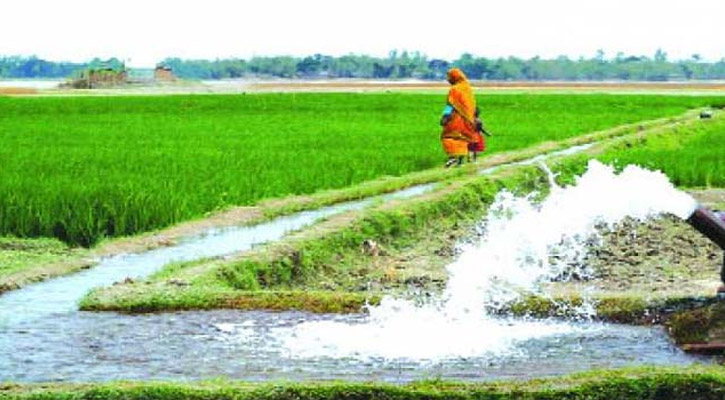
<point>43,337</point>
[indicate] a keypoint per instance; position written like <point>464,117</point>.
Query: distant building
<point>101,75</point>
<point>163,73</point>
<point>106,77</point>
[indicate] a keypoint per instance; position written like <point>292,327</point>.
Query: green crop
<point>690,157</point>
<point>83,168</point>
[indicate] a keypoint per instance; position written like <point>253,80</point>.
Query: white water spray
<point>525,244</point>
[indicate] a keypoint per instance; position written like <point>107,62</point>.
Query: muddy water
<point>79,346</point>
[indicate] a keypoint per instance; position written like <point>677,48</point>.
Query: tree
<point>437,69</point>
<point>600,56</point>
<point>660,56</point>
<point>310,66</point>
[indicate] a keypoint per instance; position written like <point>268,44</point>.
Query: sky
<point>145,32</point>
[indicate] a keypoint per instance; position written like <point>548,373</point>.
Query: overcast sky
<point>145,32</point>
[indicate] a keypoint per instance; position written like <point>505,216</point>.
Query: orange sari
<point>460,128</point>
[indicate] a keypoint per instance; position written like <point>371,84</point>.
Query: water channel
<point>44,338</point>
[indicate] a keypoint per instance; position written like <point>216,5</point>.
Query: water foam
<point>524,244</point>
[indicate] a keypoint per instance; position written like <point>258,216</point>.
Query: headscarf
<point>460,96</point>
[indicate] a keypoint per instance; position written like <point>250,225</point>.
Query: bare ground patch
<point>662,257</point>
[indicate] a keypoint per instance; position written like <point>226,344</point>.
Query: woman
<point>458,121</point>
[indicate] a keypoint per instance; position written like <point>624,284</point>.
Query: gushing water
<point>524,244</point>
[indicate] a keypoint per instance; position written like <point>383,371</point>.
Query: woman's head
<point>455,75</point>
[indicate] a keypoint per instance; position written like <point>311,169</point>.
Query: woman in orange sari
<point>458,120</point>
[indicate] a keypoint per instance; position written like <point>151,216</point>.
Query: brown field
<point>362,85</point>
<point>376,85</point>
<point>17,90</point>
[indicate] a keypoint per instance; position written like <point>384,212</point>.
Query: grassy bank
<point>83,168</point>
<point>692,383</point>
<point>16,254</point>
<point>631,307</point>
<point>331,256</point>
<point>29,260</point>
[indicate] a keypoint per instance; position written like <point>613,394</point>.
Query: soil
<point>713,198</point>
<point>369,85</point>
<point>660,257</point>
<point>17,91</point>
<point>356,85</point>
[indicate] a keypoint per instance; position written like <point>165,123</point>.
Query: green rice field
<point>690,158</point>
<point>83,168</point>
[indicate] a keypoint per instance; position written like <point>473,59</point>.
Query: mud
<point>661,254</point>
<point>662,257</point>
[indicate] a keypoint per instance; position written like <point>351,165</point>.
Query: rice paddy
<point>83,168</point>
<point>690,158</point>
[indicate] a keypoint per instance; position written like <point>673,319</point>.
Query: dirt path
<point>371,85</point>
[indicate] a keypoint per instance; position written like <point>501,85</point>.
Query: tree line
<point>407,65</point>
<point>415,65</point>
<point>33,67</point>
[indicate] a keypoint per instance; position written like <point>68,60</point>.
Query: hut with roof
<point>163,73</point>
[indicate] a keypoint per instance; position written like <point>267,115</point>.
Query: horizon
<point>143,34</point>
<point>606,57</point>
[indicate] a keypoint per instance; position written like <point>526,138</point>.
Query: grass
<point>83,168</point>
<point>637,308</point>
<point>158,297</point>
<point>17,256</point>
<point>694,157</point>
<point>693,383</point>
<point>16,253</point>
